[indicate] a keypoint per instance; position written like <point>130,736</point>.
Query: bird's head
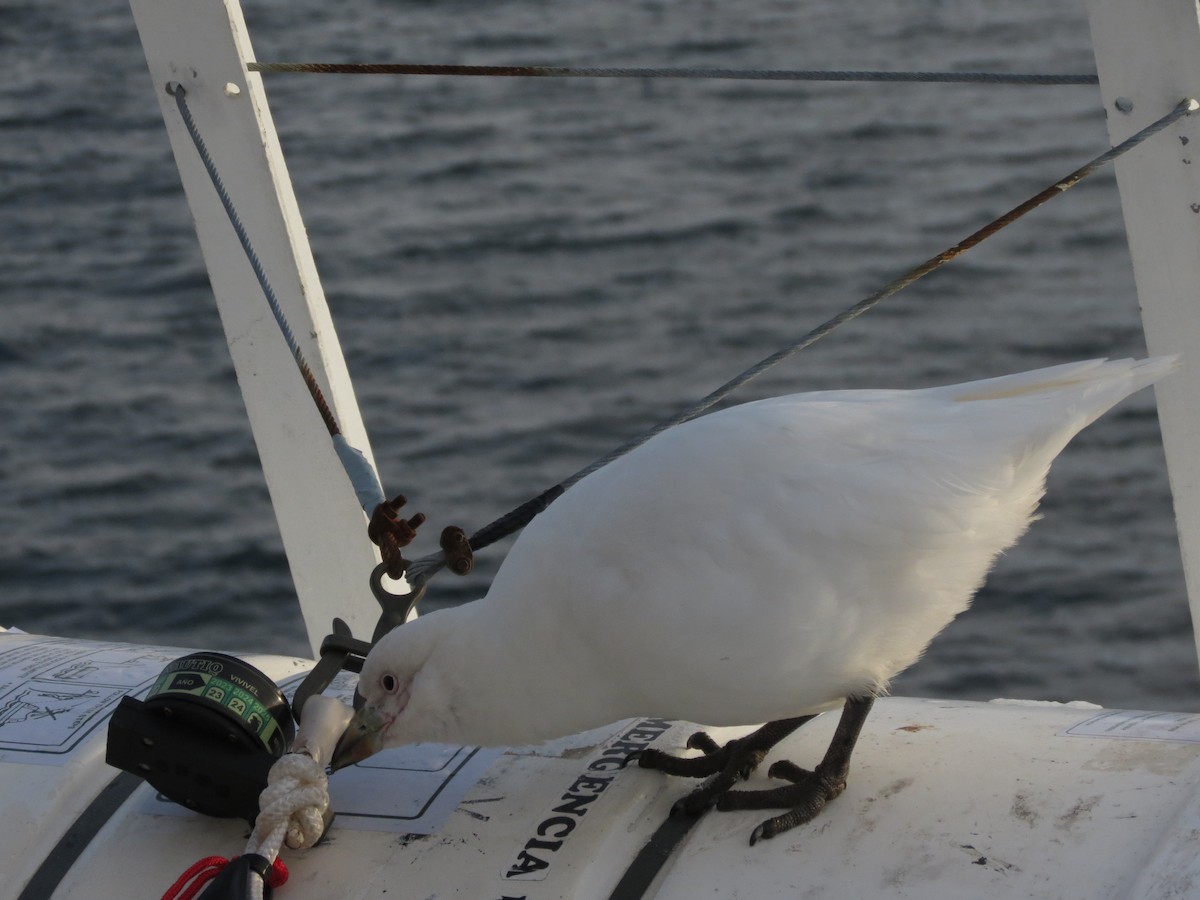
<point>404,699</point>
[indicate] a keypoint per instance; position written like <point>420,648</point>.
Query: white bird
<point>759,564</point>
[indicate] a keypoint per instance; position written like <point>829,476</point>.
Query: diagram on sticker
<point>54,693</point>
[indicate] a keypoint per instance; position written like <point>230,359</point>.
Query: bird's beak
<point>363,737</point>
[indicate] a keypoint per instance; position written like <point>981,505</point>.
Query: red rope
<point>202,872</point>
<point>278,875</point>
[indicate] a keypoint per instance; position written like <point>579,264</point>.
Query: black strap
<point>243,878</point>
<point>72,844</point>
<point>652,857</point>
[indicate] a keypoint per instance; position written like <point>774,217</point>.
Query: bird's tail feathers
<point>1114,379</point>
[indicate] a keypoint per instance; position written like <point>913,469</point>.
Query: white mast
<point>1148,58</point>
<point>204,47</point>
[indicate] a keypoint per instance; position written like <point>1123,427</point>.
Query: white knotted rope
<point>292,807</point>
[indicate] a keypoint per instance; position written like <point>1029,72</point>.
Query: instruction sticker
<point>405,790</point>
<point>1136,725</point>
<point>55,692</point>
<point>409,790</point>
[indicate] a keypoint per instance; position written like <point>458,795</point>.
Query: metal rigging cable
<point>700,73</point>
<point>362,473</point>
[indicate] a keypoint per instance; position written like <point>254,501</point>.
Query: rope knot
<point>292,807</point>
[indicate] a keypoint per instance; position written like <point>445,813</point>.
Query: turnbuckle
<point>392,533</point>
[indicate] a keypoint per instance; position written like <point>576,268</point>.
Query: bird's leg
<point>737,759</point>
<point>810,791</point>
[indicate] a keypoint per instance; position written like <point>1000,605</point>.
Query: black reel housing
<point>212,725</point>
<point>206,735</point>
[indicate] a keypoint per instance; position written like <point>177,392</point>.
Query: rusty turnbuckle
<point>455,545</point>
<point>393,533</point>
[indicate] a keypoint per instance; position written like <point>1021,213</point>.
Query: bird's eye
<point>389,682</point>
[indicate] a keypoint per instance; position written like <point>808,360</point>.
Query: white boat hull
<point>945,799</point>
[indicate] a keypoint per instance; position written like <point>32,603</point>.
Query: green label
<point>238,702</point>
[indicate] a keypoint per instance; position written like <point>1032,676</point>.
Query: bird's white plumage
<point>757,563</point>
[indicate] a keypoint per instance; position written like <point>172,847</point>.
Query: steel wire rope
<point>362,474</point>
<point>696,73</point>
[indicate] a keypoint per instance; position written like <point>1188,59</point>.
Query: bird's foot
<point>808,794</point>
<point>721,765</point>
<point>713,758</point>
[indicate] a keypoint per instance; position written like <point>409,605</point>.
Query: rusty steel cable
<point>642,72</point>
<point>362,474</point>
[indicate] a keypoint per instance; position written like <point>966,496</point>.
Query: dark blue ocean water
<point>525,273</point>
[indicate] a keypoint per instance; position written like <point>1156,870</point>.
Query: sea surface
<point>524,273</point>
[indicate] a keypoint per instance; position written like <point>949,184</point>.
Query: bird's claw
<point>697,802</point>
<point>723,766</point>
<point>767,829</point>
<point>789,771</point>
<point>801,801</point>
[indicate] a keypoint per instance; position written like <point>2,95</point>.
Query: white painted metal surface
<point>945,800</point>
<point>40,803</point>
<point>203,45</point>
<point>1148,59</point>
